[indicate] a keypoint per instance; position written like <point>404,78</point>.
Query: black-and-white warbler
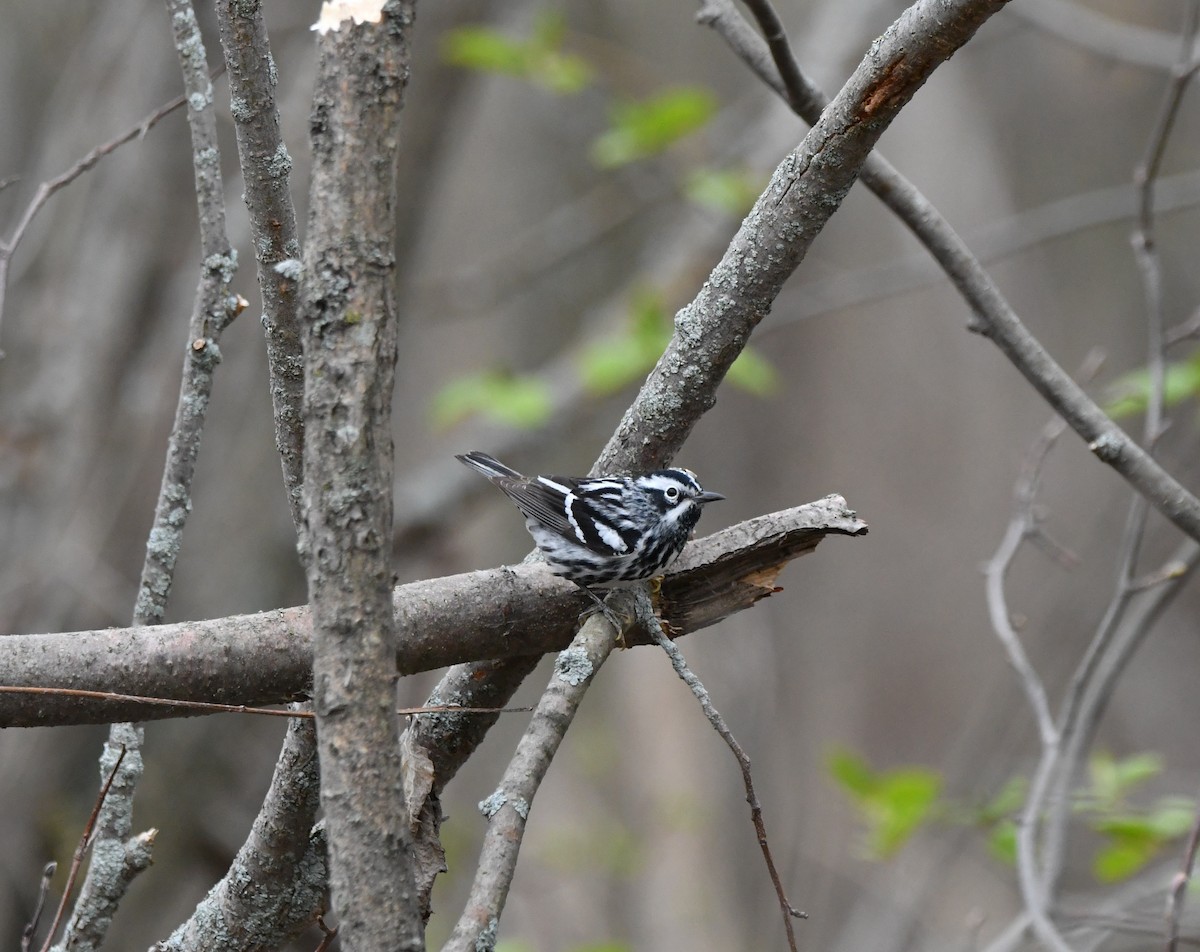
<point>607,529</point>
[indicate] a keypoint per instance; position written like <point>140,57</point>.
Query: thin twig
<point>84,842</point>
<point>1022,526</point>
<point>1035,889</point>
<point>1179,885</point>
<point>51,186</point>
<point>1085,695</point>
<point>27,935</point>
<point>993,316</point>
<point>756,816</point>
<point>213,708</point>
<point>212,309</point>
<point>266,169</point>
<point>328,935</point>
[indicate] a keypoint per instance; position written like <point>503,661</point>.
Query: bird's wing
<point>543,499</point>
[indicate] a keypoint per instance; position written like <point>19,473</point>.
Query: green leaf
<point>1112,779</point>
<point>1137,769</point>
<point>1002,842</point>
<point>894,803</point>
<point>1172,818</point>
<point>610,364</point>
<point>1126,826</point>
<point>753,373</point>
<point>1122,859</point>
<point>1135,838</point>
<point>518,401</point>
<point>728,191</point>
<point>613,363</point>
<point>1131,392</point>
<point>852,772</point>
<point>641,129</point>
<point>1006,802</point>
<point>539,59</point>
<point>905,799</point>
<point>484,49</point>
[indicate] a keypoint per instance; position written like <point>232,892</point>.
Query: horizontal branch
<point>266,658</point>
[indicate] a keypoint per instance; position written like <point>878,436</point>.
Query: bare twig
<point>1179,885</point>
<point>49,187</point>
<point>993,316</point>
<point>1090,683</point>
<point>207,707</point>
<point>212,310</point>
<point>756,816</point>
<point>80,850</point>
<point>30,930</point>
<point>1021,527</point>
<point>327,935</point>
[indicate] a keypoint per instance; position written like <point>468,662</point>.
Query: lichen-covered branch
<point>212,310</point>
<point>349,323</point>
<point>266,167</point>
<point>994,317</point>
<point>267,657</point>
<point>507,809</point>
<point>282,845</point>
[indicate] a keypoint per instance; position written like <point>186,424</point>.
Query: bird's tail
<point>488,465</point>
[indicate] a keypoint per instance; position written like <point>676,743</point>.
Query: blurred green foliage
<point>731,192</point>
<point>538,58</point>
<point>638,129</point>
<point>1131,392</point>
<point>895,804</point>
<point>516,400</point>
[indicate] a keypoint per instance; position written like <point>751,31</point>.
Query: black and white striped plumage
<point>606,529</point>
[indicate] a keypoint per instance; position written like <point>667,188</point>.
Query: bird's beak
<point>709,497</point>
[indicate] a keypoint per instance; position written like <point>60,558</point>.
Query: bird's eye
<point>672,493</point>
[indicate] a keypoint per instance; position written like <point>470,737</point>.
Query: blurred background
<point>542,255</point>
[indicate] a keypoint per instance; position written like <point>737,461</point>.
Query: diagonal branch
<point>507,809</point>
<point>993,316</point>
<point>806,189</point>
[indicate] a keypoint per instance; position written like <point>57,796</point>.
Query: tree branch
<point>117,857</point>
<point>266,167</point>
<point>234,914</point>
<point>266,658</point>
<point>993,316</point>
<point>507,809</point>
<point>805,190</point>
<point>350,334</point>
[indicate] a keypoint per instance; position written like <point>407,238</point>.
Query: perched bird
<point>597,531</point>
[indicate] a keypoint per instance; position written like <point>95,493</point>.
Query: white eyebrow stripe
<point>662,482</point>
